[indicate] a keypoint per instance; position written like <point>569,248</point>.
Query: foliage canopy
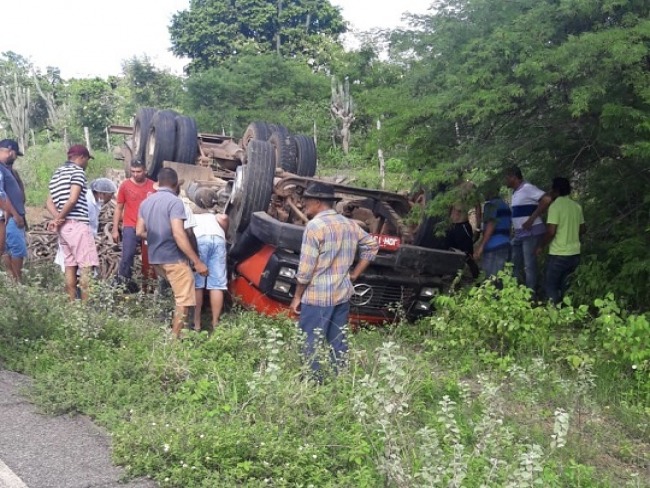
<point>213,31</point>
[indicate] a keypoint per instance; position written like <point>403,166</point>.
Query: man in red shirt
<point>130,195</point>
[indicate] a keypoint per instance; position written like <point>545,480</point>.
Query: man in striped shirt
<point>67,203</point>
<point>528,205</point>
<point>329,247</point>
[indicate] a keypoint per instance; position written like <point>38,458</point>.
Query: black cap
<point>11,144</point>
<point>320,191</point>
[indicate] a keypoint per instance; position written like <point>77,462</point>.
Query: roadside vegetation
<point>490,391</point>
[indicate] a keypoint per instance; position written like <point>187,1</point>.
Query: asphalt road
<point>42,451</point>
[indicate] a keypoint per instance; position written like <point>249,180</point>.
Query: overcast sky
<point>87,38</point>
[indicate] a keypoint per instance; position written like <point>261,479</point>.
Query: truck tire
<point>187,147</point>
<point>305,155</point>
<point>285,150</point>
<point>258,131</point>
<point>141,128</point>
<point>161,142</point>
<point>252,188</point>
<point>278,128</point>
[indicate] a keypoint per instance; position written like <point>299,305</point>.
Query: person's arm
<point>487,235</point>
<point>140,228</point>
<point>308,257</point>
<point>542,205</point>
<point>117,216</point>
<point>223,221</point>
<point>297,297</point>
<point>183,243</point>
<point>368,249</point>
<point>75,192</point>
<point>551,230</point>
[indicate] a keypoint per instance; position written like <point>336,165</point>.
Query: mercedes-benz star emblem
<point>361,295</point>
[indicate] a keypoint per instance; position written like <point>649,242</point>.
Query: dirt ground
<point>36,215</point>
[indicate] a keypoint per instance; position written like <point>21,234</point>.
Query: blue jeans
<point>212,251</point>
<point>524,260</point>
<point>558,270</point>
<point>16,242</point>
<point>129,245</point>
<point>325,322</point>
<point>494,261</point>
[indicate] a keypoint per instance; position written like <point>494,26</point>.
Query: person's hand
<point>478,252</point>
<point>54,224</point>
<point>20,221</point>
<point>295,305</point>
<point>528,224</point>
<point>115,235</point>
<point>201,268</point>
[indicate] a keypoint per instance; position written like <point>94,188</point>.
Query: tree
<point>144,85</point>
<point>556,87</point>
<point>92,105</point>
<point>15,95</point>
<point>211,32</point>
<point>264,87</point>
<point>343,110</point>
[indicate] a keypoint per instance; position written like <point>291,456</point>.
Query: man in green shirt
<point>564,226</point>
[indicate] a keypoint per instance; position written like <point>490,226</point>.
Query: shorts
<point>181,279</point>
<point>212,251</point>
<point>78,244</point>
<point>16,242</point>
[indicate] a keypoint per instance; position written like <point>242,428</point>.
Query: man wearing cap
<point>101,192</point>
<point>131,194</point>
<point>69,204</point>
<point>329,247</point>
<point>12,198</point>
<point>161,222</point>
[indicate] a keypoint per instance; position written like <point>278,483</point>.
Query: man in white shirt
<point>528,204</point>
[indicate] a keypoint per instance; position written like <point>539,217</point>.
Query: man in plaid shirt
<point>329,247</point>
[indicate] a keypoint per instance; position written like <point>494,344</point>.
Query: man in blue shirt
<point>13,206</point>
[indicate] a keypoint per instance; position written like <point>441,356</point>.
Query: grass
<point>236,409</point>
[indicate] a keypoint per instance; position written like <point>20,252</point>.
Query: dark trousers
<point>461,236</point>
<point>558,270</point>
<point>129,246</point>
<point>320,323</point>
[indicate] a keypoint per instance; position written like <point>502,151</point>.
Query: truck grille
<point>380,296</point>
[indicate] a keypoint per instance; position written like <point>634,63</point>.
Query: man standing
<point>15,242</point>
<point>564,226</point>
<point>461,234</point>
<point>101,192</point>
<point>322,295</point>
<point>69,203</point>
<point>210,232</point>
<point>495,244</point>
<point>528,204</point>
<point>160,222</point>
<point>131,194</point>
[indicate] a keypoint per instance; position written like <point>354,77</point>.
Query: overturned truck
<point>259,181</point>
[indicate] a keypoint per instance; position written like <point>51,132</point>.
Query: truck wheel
<point>305,155</point>
<point>285,151</point>
<point>252,188</point>
<point>161,142</point>
<point>256,131</point>
<point>186,140</point>
<point>141,127</point>
<point>278,128</point>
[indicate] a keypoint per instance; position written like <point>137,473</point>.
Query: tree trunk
<point>342,110</point>
<point>15,104</point>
